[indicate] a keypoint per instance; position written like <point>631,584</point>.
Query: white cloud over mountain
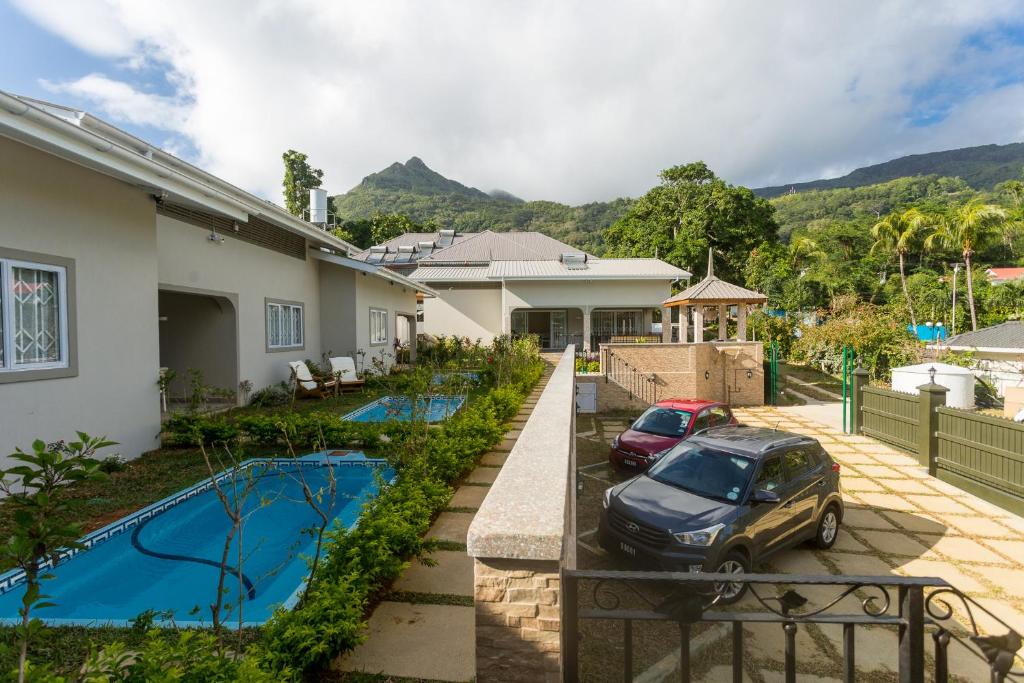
<point>573,101</point>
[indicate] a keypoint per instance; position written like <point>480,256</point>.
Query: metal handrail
<point>921,606</point>
<point>638,384</point>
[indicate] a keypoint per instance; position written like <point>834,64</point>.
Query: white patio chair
<point>344,370</point>
<point>306,384</point>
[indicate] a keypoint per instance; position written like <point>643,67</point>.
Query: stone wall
<point>720,371</point>
<point>517,620</point>
<point>520,539</point>
<point>611,398</point>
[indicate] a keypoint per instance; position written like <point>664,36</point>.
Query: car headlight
<point>701,537</point>
<point>661,454</point>
<point>615,442</point>
<point>606,499</point>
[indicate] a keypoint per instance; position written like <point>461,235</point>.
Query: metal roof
<point>712,290</point>
<point>597,269</point>
<point>488,246</point>
<point>1008,335</point>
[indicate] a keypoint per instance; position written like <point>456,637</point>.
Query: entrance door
<point>558,330</point>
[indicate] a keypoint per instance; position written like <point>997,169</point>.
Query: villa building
<point>118,259</point>
<point>490,283</point>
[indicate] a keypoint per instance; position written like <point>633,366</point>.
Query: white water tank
<point>959,381</point>
<point>318,205</point>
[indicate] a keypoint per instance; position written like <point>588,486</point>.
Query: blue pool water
<point>169,559</point>
<point>433,408</point>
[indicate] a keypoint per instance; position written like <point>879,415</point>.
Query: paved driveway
<point>899,521</point>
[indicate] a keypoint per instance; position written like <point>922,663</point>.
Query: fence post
<point>860,380</point>
<point>932,397</point>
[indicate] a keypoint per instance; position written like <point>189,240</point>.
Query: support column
<point>587,310</point>
<point>723,322</point>
<point>932,397</point>
<point>698,324</point>
<point>412,338</point>
<point>741,322</point>
<point>666,324</point>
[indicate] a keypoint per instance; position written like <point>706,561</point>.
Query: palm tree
<point>897,234</point>
<point>803,251</point>
<point>968,228</point>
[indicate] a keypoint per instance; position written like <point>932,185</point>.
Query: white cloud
<point>572,101</point>
<point>124,103</point>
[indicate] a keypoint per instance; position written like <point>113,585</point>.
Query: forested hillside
<point>981,167</point>
<point>433,201</point>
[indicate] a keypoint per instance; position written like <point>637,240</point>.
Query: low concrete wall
<point>520,538</point>
<point>713,370</point>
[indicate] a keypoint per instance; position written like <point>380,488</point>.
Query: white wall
<point>469,313</point>
<point>54,207</point>
<point>190,262</point>
<point>597,293</point>
<point>376,292</point>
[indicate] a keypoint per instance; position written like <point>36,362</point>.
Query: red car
<point>662,426</point>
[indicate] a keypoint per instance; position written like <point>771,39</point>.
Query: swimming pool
<point>166,557</point>
<point>434,408</point>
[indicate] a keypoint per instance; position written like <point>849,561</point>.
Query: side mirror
<point>765,496</point>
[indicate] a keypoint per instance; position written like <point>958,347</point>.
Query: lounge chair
<point>344,370</point>
<point>307,385</point>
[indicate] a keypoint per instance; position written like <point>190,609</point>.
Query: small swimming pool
<point>434,408</point>
<point>166,557</point>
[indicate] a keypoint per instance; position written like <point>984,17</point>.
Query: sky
<point>571,101</point>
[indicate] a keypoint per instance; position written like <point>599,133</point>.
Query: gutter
<point>144,159</point>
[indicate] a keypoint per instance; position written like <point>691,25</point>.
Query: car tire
<point>735,562</point>
<point>828,528</point>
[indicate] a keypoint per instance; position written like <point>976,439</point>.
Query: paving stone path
<point>899,521</point>
<point>426,627</point>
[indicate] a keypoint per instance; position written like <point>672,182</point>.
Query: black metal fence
<point>641,385</point>
<point>914,607</point>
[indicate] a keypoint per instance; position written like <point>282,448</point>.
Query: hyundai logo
<point>632,527</point>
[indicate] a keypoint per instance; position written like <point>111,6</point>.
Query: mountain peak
<point>416,177</point>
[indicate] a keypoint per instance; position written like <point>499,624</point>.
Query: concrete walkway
<point>425,629</point>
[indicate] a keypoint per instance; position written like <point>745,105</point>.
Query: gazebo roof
<point>712,290</point>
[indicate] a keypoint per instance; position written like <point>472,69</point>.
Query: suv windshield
<point>707,472</point>
<point>663,421</point>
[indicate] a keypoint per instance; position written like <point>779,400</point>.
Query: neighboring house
<point>998,276</point>
<point>490,283</point>
<point>118,259</point>
<point>998,353</point>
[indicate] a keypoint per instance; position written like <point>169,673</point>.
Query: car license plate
<point>631,463</point>
<point>627,548</point>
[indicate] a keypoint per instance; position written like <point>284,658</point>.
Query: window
<point>663,421</point>
<point>796,463</point>
<point>772,476</point>
<point>703,421</point>
<point>720,416</point>
<point>378,326</point>
<point>284,325</point>
<point>33,316</point>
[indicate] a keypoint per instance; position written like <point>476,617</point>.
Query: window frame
<point>375,312</point>
<point>284,303</point>
<point>64,268</point>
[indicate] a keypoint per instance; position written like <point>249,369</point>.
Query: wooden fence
<point>890,416</point>
<point>978,453</point>
<point>981,454</point>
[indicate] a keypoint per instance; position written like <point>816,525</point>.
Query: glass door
<point>558,330</point>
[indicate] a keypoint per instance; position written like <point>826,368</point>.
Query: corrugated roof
<point>597,269</point>
<point>487,246</point>
<point>713,290</point>
<point>1008,335</point>
<point>1004,274</point>
<point>450,274</point>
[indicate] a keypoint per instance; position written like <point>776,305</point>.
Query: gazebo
<point>711,292</point>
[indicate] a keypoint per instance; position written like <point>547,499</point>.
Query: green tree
<point>968,228</point>
<point>387,226</point>
<point>898,233</point>
<point>690,211</point>
<point>299,179</point>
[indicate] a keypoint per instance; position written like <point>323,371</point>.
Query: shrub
<point>190,430</point>
<point>273,395</point>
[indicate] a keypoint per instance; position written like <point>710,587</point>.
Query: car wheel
<point>828,528</point>
<point>735,563</point>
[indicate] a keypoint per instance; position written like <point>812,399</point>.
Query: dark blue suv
<point>723,501</point>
